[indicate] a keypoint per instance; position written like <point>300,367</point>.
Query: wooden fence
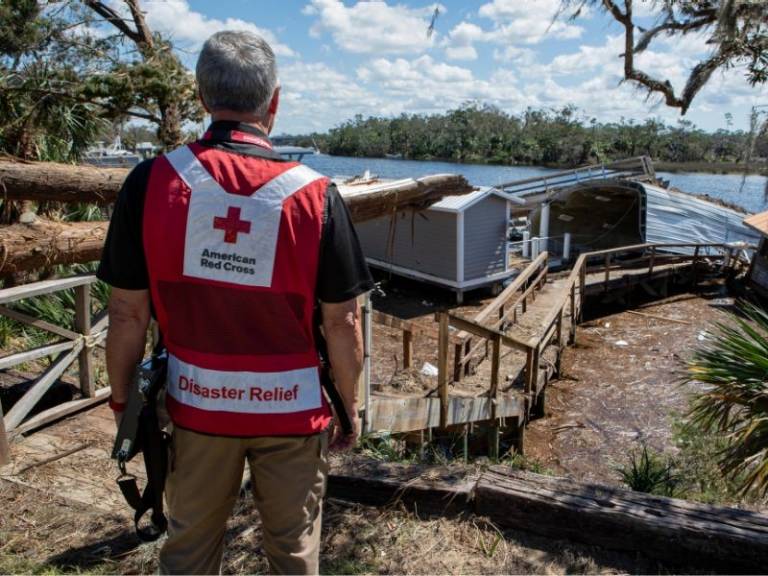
<point>72,345</point>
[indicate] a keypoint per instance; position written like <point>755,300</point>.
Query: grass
<point>693,473</point>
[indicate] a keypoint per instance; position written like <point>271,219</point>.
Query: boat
<point>112,156</point>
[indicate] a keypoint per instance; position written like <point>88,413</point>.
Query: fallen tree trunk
<point>49,181</point>
<point>25,247</point>
<point>372,201</point>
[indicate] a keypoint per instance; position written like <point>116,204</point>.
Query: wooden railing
<point>504,311</point>
<point>569,303</point>
<point>72,345</point>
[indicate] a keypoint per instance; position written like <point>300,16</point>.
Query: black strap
<point>149,439</point>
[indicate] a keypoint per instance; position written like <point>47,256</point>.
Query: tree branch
<point>141,25</point>
<point>113,18</point>
<point>696,80</point>
<point>671,26</point>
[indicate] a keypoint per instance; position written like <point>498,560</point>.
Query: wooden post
<point>5,449</point>
<point>83,326</point>
<point>653,259</point>
<point>442,368</point>
<point>458,356</point>
<point>582,290</point>
<point>607,270</point>
<point>493,394</point>
<point>468,363</point>
<point>572,337</point>
<point>694,266</point>
<point>407,348</point>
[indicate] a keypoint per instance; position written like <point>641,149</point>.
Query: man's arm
<point>341,326</point>
<point>128,322</point>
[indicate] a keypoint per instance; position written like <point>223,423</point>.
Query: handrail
<point>638,166</point>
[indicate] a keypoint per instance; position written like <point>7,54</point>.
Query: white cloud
<point>190,28</point>
<point>373,27</point>
<point>315,96</point>
<point>517,22</point>
<point>514,54</point>
<point>459,44</point>
<point>426,85</point>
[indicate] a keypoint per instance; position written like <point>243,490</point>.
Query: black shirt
<point>342,272</point>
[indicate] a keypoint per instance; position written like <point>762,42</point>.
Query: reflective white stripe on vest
<point>244,392</point>
<point>233,238</point>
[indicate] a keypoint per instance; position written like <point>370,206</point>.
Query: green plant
<point>520,462</point>
<point>383,447</point>
<point>733,363</point>
<point>649,472</point>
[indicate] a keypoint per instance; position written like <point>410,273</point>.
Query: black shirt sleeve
<point>123,264</point>
<point>343,273</point>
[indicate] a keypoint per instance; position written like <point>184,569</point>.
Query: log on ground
<point>669,529</point>
<point>25,247</point>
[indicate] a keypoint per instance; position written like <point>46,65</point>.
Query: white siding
<point>424,242</point>
<point>485,238</point>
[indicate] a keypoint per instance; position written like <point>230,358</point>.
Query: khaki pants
<point>205,472</point>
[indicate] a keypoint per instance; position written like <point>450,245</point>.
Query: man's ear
<point>205,106</point>
<point>275,102</point>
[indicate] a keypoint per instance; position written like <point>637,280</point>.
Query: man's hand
<point>341,442</point>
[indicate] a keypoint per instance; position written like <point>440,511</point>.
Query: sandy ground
<point>621,386</point>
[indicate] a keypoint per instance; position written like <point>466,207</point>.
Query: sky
<point>340,58</point>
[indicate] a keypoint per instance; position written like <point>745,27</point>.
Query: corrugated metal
<point>485,226</point>
<point>425,241</point>
<point>673,217</point>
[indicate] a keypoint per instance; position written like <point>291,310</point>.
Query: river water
<point>747,192</point>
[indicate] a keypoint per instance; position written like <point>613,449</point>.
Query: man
<point>232,248</point>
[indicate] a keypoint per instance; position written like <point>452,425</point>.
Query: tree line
<point>481,133</point>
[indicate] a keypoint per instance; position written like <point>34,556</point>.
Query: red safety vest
<point>232,246</point>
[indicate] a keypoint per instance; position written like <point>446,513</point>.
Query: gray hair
<point>236,71</point>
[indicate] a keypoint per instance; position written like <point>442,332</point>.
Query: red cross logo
<point>232,225</point>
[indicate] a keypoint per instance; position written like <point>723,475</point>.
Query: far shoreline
<point>752,169</point>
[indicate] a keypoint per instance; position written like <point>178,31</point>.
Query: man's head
<point>237,78</point>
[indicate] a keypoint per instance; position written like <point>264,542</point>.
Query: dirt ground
<point>419,302</point>
<point>41,532</point>
<point>620,386</point>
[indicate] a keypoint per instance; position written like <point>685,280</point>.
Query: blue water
<point>747,192</point>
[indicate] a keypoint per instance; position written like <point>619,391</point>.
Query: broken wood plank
<point>59,412</point>
<point>31,398</point>
<point>669,529</point>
